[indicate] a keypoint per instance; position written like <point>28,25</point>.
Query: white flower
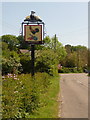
<point>20,82</point>
<point>15,91</point>
<point>15,78</point>
<point>3,77</point>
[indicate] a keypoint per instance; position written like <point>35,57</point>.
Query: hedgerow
<point>21,95</point>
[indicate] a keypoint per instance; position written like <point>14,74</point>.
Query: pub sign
<point>33,34</point>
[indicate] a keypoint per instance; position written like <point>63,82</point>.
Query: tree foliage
<point>47,62</point>
<point>11,40</point>
<point>22,43</point>
<point>47,57</point>
<point>77,56</point>
<point>10,63</point>
<point>10,57</point>
<point>50,56</point>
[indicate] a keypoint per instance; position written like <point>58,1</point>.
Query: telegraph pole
<point>55,43</point>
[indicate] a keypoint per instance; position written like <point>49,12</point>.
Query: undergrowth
<point>27,97</point>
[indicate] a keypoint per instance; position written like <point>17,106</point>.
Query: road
<point>74,95</point>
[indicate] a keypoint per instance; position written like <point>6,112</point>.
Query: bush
<point>10,63</point>
<point>14,101</point>
<point>47,62</point>
<point>11,40</point>
<point>26,63</point>
<point>80,69</point>
<point>68,70</point>
<point>22,94</point>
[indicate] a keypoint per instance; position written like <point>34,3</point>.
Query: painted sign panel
<point>33,33</point>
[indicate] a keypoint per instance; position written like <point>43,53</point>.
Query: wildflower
<point>15,91</point>
<point>9,75</point>
<point>15,75</point>
<point>15,78</point>
<point>3,77</point>
<point>20,82</point>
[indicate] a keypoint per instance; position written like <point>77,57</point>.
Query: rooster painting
<point>33,31</point>
<point>32,37</point>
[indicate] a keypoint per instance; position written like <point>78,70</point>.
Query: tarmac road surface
<point>74,95</point>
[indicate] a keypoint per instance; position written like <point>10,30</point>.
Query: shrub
<point>26,63</point>
<point>68,70</point>
<point>22,94</point>
<point>11,63</point>
<point>47,62</point>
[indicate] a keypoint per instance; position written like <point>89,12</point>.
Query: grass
<point>37,99</point>
<point>50,110</point>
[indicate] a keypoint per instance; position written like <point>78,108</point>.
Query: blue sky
<point>68,20</point>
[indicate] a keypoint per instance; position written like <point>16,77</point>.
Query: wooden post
<point>32,59</point>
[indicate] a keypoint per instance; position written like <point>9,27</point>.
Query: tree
<point>22,43</point>
<point>47,42</point>
<point>26,63</point>
<point>58,48</point>
<point>50,56</point>
<point>47,62</point>
<point>81,59</point>
<point>68,48</point>
<point>82,56</point>
<point>11,40</point>
<point>54,44</point>
<point>10,60</point>
<point>71,60</point>
<point>10,63</point>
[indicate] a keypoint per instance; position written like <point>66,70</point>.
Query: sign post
<point>33,32</point>
<point>32,59</point>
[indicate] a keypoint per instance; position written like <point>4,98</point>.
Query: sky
<point>68,20</point>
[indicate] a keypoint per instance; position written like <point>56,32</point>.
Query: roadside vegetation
<point>22,95</point>
<point>76,60</point>
<point>27,97</point>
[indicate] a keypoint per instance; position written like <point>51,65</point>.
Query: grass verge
<point>50,110</point>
